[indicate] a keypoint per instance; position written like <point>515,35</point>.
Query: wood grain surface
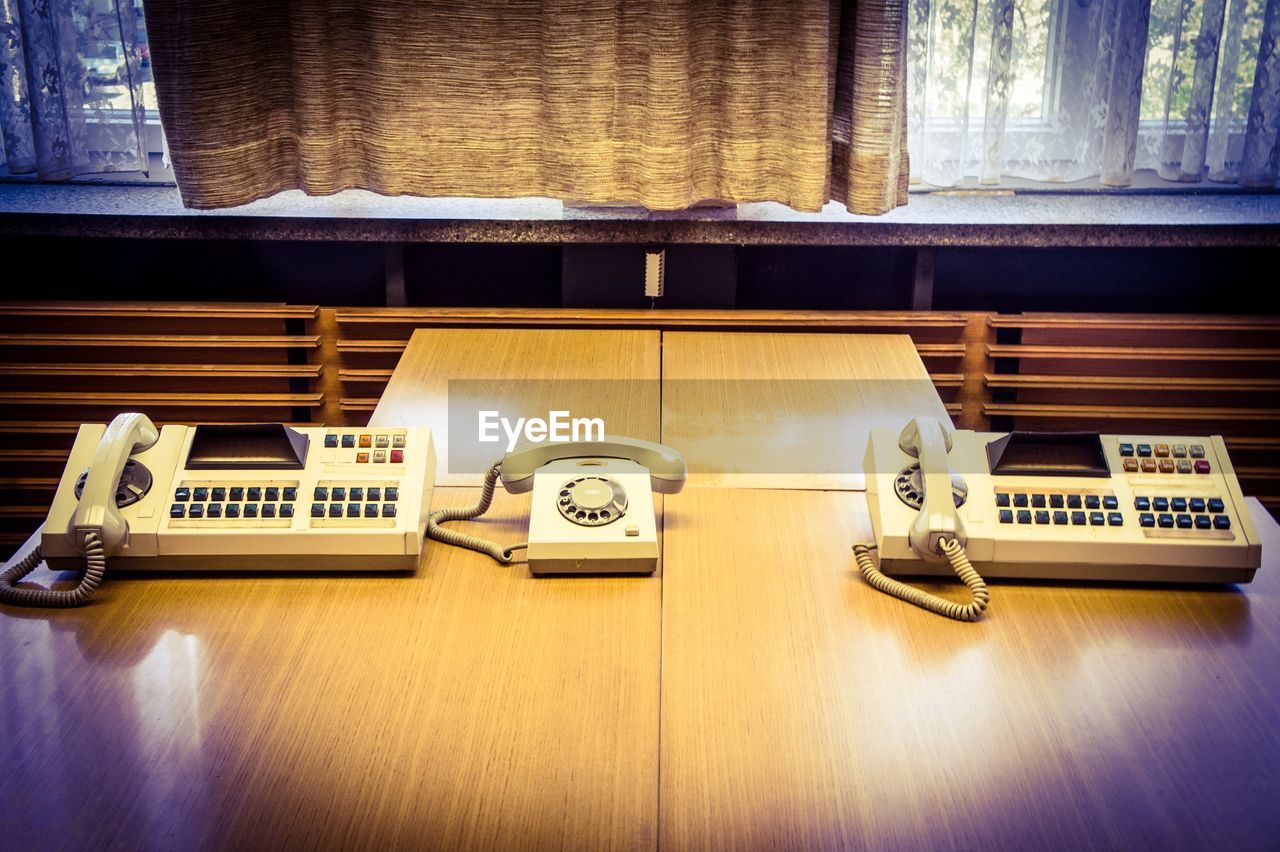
<point>524,373</point>
<point>803,710</point>
<point>767,410</point>
<point>466,706</point>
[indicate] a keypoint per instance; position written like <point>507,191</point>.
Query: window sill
<point>971,218</point>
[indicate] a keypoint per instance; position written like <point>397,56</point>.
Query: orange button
<point>1149,465</point>
<point>1166,465</point>
<point>1130,464</point>
<point>362,458</point>
<point>1162,450</point>
<point>367,441</point>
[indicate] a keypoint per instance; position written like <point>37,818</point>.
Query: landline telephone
<point>592,506</point>
<point>231,497</point>
<point>1074,506</point>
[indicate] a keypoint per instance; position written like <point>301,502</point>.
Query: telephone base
<point>328,563</point>
<point>612,565</point>
<point>1075,571</point>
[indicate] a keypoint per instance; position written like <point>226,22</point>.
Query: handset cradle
<point>936,533</point>
<point>126,435</point>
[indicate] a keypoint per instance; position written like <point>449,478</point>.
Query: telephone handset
<point>592,508</point>
<point>97,529</point>
<point>936,533</point>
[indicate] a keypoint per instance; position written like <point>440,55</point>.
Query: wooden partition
<point>63,363</point>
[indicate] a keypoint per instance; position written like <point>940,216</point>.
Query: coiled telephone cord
<point>95,558</point>
<point>959,563</point>
<point>471,542</point>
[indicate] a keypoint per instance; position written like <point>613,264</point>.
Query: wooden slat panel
<point>1132,322</point>
<point>1116,412</point>
<point>659,319</point>
<point>1125,353</point>
<point>186,400</point>
<point>365,376</point>
<point>176,341</point>
<point>196,371</point>
<point>1067,382</point>
<point>160,310</point>
<point>371,347</point>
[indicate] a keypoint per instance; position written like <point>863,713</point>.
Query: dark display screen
<point>1048,454</point>
<point>251,446</point>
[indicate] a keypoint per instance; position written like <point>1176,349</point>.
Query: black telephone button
<point>330,440</point>
<point>273,493</point>
<point>317,510</point>
<point>1178,504</point>
<point>357,494</point>
<point>388,510</point>
<point>1056,501</point>
<point>1059,517</point>
<point>1110,502</point>
<point>1197,504</point>
<point>1126,449</point>
<point>335,510</point>
<point>182,494</point>
<point>1020,500</point>
<point>1002,499</point>
<point>1042,517</point>
<point>1203,522</point>
<point>1147,519</point>
<point>1184,522</point>
<point>1216,505</point>
<point>1142,504</point>
<point>177,510</point>
<point>1115,519</point>
<point>1024,517</point>
<point>290,493</point>
<point>353,510</point>
<point>237,493</point>
<point>1092,501</point>
<point>348,441</point>
<point>255,493</point>
<point>286,510</point>
<point>392,493</point>
<point>1166,521</point>
<point>338,494</point>
<point>219,494</point>
<point>1074,501</point>
<point>1160,504</point>
<point>1096,519</point>
<point>197,511</point>
<point>215,510</point>
<point>1221,522</point>
<point>233,510</point>
<point>371,510</point>
<point>322,493</point>
<point>1144,450</point>
<point>251,510</point>
<point>201,494</point>
<point>1078,518</point>
<point>375,495</point>
<point>1037,501</point>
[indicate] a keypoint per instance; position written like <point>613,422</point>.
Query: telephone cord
<point>95,558</point>
<point>954,552</point>
<point>458,539</point>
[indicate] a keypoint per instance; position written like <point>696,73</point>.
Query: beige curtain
<point>662,103</point>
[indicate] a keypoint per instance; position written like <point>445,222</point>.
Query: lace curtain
<point>1061,90</point>
<point>70,87</point>
<point>662,103</point>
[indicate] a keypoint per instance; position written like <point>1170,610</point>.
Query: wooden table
<point>755,693</point>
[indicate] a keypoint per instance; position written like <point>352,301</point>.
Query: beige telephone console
<point>1073,506</point>
<point>227,497</point>
<point>592,507</point>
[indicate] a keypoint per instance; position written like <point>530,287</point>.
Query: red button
<point>397,456</point>
<point>1202,466</point>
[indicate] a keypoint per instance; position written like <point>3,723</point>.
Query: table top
<point>755,692</point>
<point>762,410</point>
